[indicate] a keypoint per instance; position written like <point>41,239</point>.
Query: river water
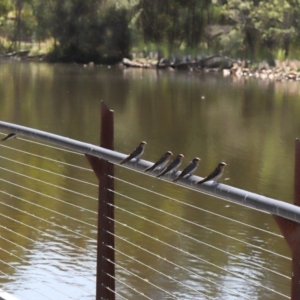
<point>251,124</point>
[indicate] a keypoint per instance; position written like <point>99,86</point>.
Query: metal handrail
<point>219,190</point>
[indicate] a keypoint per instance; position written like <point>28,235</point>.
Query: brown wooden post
<point>291,230</point>
<point>105,283</point>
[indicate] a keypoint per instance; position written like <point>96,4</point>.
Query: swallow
<point>9,136</point>
<point>172,166</point>
<point>161,163</point>
<point>136,153</point>
<point>189,169</point>
<point>216,174</point>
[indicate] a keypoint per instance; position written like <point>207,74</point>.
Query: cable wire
<point>125,284</point>
<point>186,252</point>
<point>42,232</point>
<point>51,210</point>
<point>172,263</point>
<point>56,251</point>
<point>117,294</point>
<point>47,171</point>
<point>211,230</point>
<point>195,207</point>
<point>25,249</point>
<point>157,271</point>
<point>47,196</point>
<point>48,183</point>
<point>128,286</point>
<point>46,158</point>
<point>143,279</point>
<point>53,224</point>
<point>204,227</point>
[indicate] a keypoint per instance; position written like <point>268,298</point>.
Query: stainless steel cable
<point>50,172</point>
<point>53,224</point>
<point>172,263</point>
<point>46,158</point>
<point>48,209</point>
<point>128,286</point>
<point>186,252</point>
<point>25,249</point>
<point>143,279</point>
<point>56,251</point>
<point>48,196</point>
<point>117,294</point>
<point>48,183</point>
<point>195,207</point>
<point>155,270</point>
<point>204,227</point>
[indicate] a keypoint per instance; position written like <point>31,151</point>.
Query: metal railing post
<point>105,283</point>
<point>291,230</point>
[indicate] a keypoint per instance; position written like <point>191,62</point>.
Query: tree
<point>83,30</point>
<point>116,38</point>
<point>43,12</point>
<point>244,33</point>
<point>174,22</point>
<point>5,27</point>
<point>273,20</point>
<point>262,24</point>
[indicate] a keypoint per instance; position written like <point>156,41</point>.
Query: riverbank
<point>282,70</point>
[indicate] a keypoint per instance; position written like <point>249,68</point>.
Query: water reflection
<point>248,123</point>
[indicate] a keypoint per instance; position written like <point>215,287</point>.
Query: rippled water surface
<point>250,124</point>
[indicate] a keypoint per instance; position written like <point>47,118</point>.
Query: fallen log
<point>133,64</point>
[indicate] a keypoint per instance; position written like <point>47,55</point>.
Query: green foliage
<point>238,14</point>
<point>85,30</point>
<point>115,34</point>
<point>280,55</point>
<point>5,6</point>
<point>173,21</point>
<point>232,43</point>
<point>273,20</point>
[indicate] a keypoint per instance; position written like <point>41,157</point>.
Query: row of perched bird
<point>162,164</point>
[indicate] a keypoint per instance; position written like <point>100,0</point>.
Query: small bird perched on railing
<point>189,169</point>
<point>137,152</point>
<point>172,166</point>
<point>216,174</point>
<point>9,136</point>
<point>161,163</point>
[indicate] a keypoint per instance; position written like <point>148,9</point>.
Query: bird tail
<point>123,161</point>
<point>10,135</point>
<point>148,169</point>
<point>162,172</point>
<point>201,181</point>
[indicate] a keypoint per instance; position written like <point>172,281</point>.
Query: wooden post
<point>105,283</point>
<point>291,230</point>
